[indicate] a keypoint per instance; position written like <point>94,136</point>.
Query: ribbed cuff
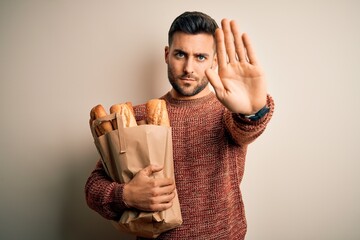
<point>260,116</point>
<point>119,205</point>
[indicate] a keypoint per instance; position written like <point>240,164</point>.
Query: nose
<point>189,66</point>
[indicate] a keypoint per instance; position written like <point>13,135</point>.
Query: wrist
<point>258,115</point>
<point>119,202</point>
<point>124,197</point>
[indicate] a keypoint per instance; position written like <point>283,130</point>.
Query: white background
<point>60,58</point>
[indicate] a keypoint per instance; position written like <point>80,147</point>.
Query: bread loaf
<point>127,114</point>
<point>156,112</point>
<point>97,112</point>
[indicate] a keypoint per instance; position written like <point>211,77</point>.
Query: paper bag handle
<point>120,130</point>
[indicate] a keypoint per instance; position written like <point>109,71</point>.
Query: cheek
<point>175,66</point>
<point>172,72</point>
<point>202,67</point>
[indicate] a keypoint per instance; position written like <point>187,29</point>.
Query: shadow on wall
<point>78,220</point>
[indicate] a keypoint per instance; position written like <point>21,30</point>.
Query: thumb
<point>214,80</point>
<point>151,169</point>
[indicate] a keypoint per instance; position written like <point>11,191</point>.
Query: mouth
<point>187,79</point>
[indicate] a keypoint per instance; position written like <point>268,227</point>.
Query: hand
<point>146,193</point>
<point>239,84</point>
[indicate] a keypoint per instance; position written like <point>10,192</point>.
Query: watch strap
<point>259,114</point>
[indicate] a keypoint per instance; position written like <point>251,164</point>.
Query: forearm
<point>103,195</point>
<point>243,130</point>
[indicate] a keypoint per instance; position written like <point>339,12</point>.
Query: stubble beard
<point>186,89</point>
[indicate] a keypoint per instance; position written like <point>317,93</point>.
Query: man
<point>210,132</point>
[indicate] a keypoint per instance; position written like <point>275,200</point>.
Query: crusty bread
<point>97,112</point>
<point>127,113</point>
<point>156,112</point>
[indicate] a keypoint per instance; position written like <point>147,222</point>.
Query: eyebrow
<point>196,54</point>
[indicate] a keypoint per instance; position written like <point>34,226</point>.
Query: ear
<point>167,51</point>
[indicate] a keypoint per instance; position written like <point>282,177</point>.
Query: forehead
<point>197,43</point>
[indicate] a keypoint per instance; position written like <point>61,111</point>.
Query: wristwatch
<point>259,114</point>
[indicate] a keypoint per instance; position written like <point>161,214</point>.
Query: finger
<point>160,207</point>
<point>166,187</point>
<point>162,201</point>
<point>214,80</point>
<point>229,40</point>
<point>239,45</point>
<point>220,48</point>
<point>166,198</point>
<point>249,49</point>
<point>151,169</point>
<point>167,183</point>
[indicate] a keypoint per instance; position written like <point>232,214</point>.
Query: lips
<point>187,79</point>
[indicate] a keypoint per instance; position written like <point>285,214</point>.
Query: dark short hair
<point>192,23</point>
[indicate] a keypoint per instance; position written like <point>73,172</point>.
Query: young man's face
<point>187,58</point>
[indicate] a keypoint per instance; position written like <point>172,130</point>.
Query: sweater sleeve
<point>103,195</point>
<point>244,131</point>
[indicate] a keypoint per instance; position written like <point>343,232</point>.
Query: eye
<point>179,55</point>
<point>201,58</point>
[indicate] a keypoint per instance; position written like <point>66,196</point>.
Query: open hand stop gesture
<point>239,83</point>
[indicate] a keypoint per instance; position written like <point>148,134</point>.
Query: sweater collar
<point>191,102</point>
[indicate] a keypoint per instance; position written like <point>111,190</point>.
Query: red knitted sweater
<point>209,147</point>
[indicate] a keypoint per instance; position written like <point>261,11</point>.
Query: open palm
<point>239,83</point>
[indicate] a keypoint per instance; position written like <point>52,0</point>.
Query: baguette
<point>97,112</point>
<point>127,113</point>
<point>156,113</point>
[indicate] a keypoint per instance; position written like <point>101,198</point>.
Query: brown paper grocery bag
<point>126,151</point>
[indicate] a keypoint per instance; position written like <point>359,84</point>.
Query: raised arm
<point>239,82</point>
